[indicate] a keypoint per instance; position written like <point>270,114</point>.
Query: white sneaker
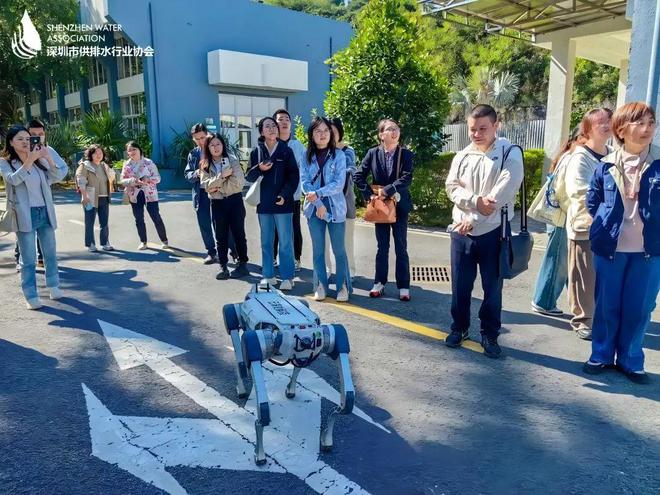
<point>404,294</point>
<point>56,293</point>
<point>265,282</point>
<point>92,248</point>
<point>107,247</point>
<point>286,285</point>
<point>142,246</point>
<point>34,303</point>
<point>342,295</point>
<point>298,265</point>
<point>377,290</point>
<point>319,295</point>
<point>165,245</point>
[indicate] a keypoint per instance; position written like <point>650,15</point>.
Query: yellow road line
<point>400,323</point>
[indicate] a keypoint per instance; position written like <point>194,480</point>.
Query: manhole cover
<point>431,274</point>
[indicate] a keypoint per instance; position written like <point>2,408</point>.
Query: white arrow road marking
<point>292,439</point>
<point>146,446</point>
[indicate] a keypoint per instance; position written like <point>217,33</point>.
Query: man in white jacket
<point>483,178</point>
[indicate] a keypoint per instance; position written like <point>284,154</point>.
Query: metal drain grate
<point>431,274</point>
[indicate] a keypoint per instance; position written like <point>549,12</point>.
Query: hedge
<point>432,207</point>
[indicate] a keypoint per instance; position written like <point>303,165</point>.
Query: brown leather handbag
<point>383,210</point>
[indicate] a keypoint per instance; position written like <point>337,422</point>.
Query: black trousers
<point>399,232</point>
<point>468,253</point>
<point>297,234</point>
<point>154,213</point>
<point>103,212</point>
<point>228,216</point>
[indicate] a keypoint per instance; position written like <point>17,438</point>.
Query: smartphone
<point>34,142</point>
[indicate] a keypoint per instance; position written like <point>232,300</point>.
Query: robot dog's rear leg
<point>263,410</point>
<point>347,393</point>
<point>241,369</point>
<point>291,387</point>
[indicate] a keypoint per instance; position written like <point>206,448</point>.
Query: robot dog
<point>284,330</point>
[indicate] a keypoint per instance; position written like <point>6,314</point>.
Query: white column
<point>623,83</point>
<point>560,96</point>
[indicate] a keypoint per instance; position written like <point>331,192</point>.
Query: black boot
<point>240,271</point>
<point>223,274</point>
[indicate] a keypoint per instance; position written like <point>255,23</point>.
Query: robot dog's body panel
<point>284,330</point>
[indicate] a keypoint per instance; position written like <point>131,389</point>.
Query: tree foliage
<point>15,73</point>
<point>483,86</point>
<point>386,71</point>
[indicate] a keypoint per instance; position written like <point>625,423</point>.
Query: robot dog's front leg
<point>232,324</point>
<point>291,387</point>
<point>339,353</point>
<point>253,354</point>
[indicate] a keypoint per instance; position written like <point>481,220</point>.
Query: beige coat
<point>87,179</point>
<point>579,170</point>
<point>219,187</point>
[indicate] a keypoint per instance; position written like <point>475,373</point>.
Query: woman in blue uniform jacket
<point>624,200</point>
<point>391,167</point>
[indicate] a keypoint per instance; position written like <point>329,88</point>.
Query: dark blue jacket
<point>281,180</point>
<point>374,163</point>
<point>605,204</point>
<point>189,173</point>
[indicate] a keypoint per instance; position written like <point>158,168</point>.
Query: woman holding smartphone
<point>221,176</point>
<point>95,180</point>
<point>275,163</point>
<point>28,172</point>
<point>139,175</point>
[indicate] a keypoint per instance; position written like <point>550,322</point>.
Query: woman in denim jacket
<point>624,200</point>
<point>323,177</point>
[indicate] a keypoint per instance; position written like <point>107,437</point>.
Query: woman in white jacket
<point>595,131</point>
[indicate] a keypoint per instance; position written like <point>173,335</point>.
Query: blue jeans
<point>203,212</point>
<point>268,223</point>
<point>27,244</point>
<point>626,289</point>
<point>317,228</point>
<point>553,274</point>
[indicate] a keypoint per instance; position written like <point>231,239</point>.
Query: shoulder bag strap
<point>523,197</point>
<point>398,163</point>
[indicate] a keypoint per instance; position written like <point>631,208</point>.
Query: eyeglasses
<point>270,126</point>
<point>321,131</point>
<point>391,129</point>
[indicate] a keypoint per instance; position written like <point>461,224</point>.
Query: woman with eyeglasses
<point>323,178</point>
<point>595,130</point>
<point>624,200</point>
<point>275,163</point>
<point>391,167</point>
<point>28,172</point>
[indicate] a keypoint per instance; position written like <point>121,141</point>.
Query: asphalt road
<point>453,421</point>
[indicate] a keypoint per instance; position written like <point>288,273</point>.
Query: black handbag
<point>515,249</point>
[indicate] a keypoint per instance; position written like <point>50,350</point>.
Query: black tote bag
<point>515,249</point>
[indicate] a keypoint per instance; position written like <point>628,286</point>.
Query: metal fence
<point>528,134</point>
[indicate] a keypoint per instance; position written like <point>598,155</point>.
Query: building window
<point>74,115</point>
<point>239,116</point>
<point>128,66</point>
<point>132,107</point>
<point>97,75</point>
<point>100,106</point>
<point>34,96</point>
<point>54,117</point>
<point>51,88</point>
<point>72,86</point>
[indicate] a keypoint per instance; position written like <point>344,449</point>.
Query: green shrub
<point>432,207</point>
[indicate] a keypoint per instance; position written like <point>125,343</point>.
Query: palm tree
<point>107,129</point>
<point>483,86</point>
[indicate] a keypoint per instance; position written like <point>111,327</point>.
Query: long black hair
<point>311,146</point>
<point>9,153</point>
<point>207,148</point>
